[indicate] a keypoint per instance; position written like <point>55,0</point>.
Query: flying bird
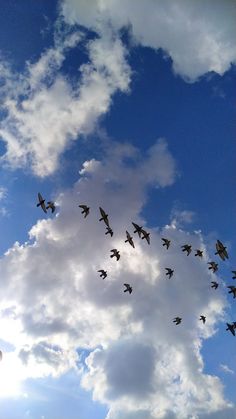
<point>85,210</point>
<point>51,205</point>
<point>166,242</point>
<point>203,318</point>
<point>231,327</point>
<point>138,229</point>
<point>214,284</point>
<point>214,266</point>
<point>177,320</point>
<point>221,250</point>
<point>146,236</point>
<point>109,231</point>
<point>234,272</point>
<point>103,274</point>
<point>232,290</point>
<point>169,272</point>
<point>199,253</point>
<point>116,253</point>
<point>128,288</point>
<point>129,239</point>
<point>41,203</point>
<point>104,217</point>
<point>187,248</point>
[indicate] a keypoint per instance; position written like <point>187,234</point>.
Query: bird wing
<point>103,214</point>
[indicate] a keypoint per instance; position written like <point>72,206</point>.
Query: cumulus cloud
<point>45,112</point>
<point>197,37</point>
<point>53,301</point>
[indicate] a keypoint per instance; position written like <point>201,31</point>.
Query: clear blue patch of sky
<point>53,398</point>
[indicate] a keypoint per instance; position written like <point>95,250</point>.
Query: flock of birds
<point>221,251</point>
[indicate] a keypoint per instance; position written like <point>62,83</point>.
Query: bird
<point>103,274</point>
<point>146,236</point>
<point>214,284</point>
<point>232,290</point>
<point>199,253</point>
<point>109,231</point>
<point>177,320</point>
<point>116,253</point>
<point>41,203</point>
<point>187,248</point>
<point>138,229</point>
<point>128,288</point>
<point>221,250</point>
<point>214,266</point>
<point>231,327</point>
<point>104,217</point>
<point>0,355</point>
<point>234,272</point>
<point>51,205</point>
<point>129,239</point>
<point>203,318</point>
<point>85,210</point>
<point>166,242</point>
<point>169,272</point>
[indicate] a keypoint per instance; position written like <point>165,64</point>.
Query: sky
<point>129,106</point>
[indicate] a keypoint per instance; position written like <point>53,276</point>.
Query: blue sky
<point>131,108</point>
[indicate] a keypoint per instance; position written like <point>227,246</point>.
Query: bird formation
<point>221,251</point>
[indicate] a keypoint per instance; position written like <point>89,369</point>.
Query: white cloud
<point>54,301</point>
<point>53,113</point>
<point>198,37</point>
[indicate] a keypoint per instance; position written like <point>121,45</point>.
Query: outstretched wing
<point>84,207</point>
<point>103,214</point>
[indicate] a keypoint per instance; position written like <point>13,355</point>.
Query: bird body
<point>169,272</point>
<point>187,248</point>
<point>128,288</point>
<point>85,209</point>
<point>116,253</point>
<point>129,239</point>
<point>41,203</point>
<point>104,217</point>
<point>166,242</point>
<point>177,320</point>
<point>103,274</point>
<point>138,229</point>
<point>221,250</point>
<point>214,284</point>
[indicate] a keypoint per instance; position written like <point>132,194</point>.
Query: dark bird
<point>85,210</point>
<point>138,229</point>
<point>104,217</point>
<point>166,242</point>
<point>214,266</point>
<point>169,272</point>
<point>231,327</point>
<point>128,288</point>
<point>199,253</point>
<point>129,239</point>
<point>214,284</point>
<point>232,290</point>
<point>203,318</point>
<point>221,250</point>
<point>146,236</point>
<point>103,274</point>
<point>177,320</point>
<point>109,231</point>
<point>41,203</point>
<point>116,253</point>
<point>51,205</point>
<point>234,272</point>
<point>187,248</point>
